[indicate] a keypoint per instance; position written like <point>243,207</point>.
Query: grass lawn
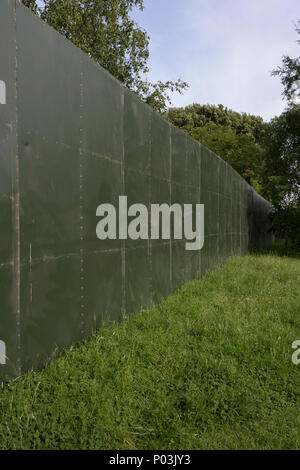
<point>208,368</point>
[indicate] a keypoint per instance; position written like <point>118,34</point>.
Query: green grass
<point>208,368</point>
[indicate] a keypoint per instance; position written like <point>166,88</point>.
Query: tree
<point>197,115</point>
<point>281,175</point>
<point>233,136</point>
<point>281,172</point>
<point>104,30</point>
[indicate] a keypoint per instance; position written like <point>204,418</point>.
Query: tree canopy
<point>236,137</point>
<point>281,171</point>
<point>282,140</point>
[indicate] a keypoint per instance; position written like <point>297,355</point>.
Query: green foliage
<point>31,4</point>
<point>281,174</point>
<point>233,136</point>
<point>210,367</point>
<point>197,115</point>
<point>104,30</point>
<point>156,94</point>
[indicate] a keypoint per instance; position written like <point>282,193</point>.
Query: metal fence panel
<point>72,137</point>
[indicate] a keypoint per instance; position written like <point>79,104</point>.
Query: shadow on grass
<point>279,249</point>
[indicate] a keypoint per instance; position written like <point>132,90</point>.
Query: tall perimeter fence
<point>73,137</point>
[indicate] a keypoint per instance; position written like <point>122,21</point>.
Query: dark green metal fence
<point>71,138</point>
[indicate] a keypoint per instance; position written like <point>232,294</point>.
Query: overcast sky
<point>224,49</point>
